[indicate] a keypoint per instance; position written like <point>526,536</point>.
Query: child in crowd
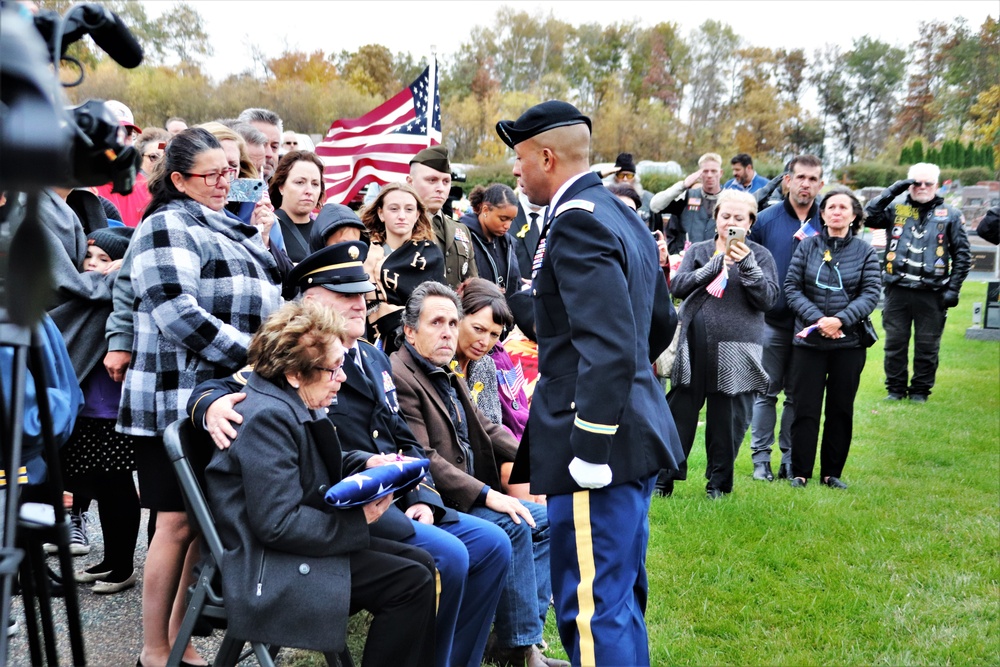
<point>98,461</point>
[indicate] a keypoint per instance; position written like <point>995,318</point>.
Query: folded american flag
<point>718,285</point>
<point>373,483</point>
<point>805,231</point>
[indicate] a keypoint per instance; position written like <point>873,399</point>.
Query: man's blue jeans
<point>524,601</point>
<point>776,361</point>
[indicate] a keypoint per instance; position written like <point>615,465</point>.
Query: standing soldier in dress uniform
<point>430,176</point>
<point>599,427</point>
<point>926,261</point>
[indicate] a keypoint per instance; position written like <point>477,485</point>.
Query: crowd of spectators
<point>405,329</point>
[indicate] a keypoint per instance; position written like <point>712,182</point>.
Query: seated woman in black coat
<point>832,285</point>
<point>295,568</point>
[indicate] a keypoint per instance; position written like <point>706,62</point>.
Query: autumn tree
<point>714,47</point>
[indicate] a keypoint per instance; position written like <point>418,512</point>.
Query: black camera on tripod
<point>44,143</point>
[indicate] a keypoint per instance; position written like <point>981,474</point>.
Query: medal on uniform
<point>939,252</point>
<point>891,256</point>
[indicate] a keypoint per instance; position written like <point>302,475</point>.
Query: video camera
<point>42,142</point>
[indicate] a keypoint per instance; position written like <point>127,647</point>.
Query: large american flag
<point>378,146</point>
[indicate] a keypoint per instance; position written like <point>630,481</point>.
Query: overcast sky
<point>415,26</point>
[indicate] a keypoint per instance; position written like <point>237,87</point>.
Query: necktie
<point>534,219</point>
<point>352,354</point>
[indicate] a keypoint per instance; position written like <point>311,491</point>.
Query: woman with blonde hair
<point>727,284</point>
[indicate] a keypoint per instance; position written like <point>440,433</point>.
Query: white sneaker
<point>79,541</point>
<point>12,626</point>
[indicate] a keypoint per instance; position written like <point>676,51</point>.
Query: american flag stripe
<point>378,146</point>
<point>512,380</point>
<point>718,285</point>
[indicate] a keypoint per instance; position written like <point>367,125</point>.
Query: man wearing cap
<point>430,176</point>
<point>471,554</point>
<point>133,204</point>
<point>625,172</point>
<point>599,426</point>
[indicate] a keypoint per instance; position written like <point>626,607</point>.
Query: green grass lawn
<point>901,569</point>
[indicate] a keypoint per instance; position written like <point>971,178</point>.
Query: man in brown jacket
<point>471,460</point>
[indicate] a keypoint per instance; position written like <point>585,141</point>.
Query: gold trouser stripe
<point>437,590</point>
<point>585,589</point>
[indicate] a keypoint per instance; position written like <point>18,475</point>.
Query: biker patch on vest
<point>905,212</point>
<point>694,203</point>
<point>940,213</point>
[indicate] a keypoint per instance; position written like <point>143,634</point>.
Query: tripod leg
<point>55,483</point>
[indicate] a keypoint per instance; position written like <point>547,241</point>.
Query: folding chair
<point>186,445</point>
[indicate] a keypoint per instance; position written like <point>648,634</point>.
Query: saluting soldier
<point>599,426</point>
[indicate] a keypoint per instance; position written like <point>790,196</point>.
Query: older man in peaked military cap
<point>599,426</point>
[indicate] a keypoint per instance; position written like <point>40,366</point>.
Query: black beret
<point>625,163</point>
<point>339,268</point>
<point>540,118</point>
<point>331,218</point>
<point>435,157</point>
<point>112,240</point>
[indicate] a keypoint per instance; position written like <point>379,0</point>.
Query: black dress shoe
<point>714,494</point>
<point>762,471</point>
<point>784,471</point>
<point>664,487</point>
<point>798,483</point>
<point>833,483</point>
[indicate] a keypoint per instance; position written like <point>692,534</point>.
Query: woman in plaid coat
<point>203,284</point>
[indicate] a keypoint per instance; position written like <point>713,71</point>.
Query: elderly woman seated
<point>295,568</point>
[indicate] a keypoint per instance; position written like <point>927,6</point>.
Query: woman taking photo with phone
<point>727,284</point>
<point>832,285</point>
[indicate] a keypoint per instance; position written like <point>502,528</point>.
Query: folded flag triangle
<point>373,483</point>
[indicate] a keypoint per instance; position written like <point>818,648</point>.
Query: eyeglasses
<point>332,371</point>
<point>833,288</point>
<point>924,184</point>
<point>212,179</point>
<point>153,157</point>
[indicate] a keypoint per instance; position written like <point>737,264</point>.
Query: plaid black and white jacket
<point>203,284</point>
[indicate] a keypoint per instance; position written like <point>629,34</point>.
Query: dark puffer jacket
<point>851,263</point>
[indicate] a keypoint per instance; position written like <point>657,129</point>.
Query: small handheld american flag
<point>718,285</point>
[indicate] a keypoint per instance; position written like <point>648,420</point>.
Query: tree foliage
<point>652,90</point>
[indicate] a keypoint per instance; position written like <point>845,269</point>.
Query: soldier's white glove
<point>590,475</point>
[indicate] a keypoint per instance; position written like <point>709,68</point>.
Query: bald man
<point>599,426</point>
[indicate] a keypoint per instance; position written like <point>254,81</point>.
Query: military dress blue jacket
<point>602,314</point>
